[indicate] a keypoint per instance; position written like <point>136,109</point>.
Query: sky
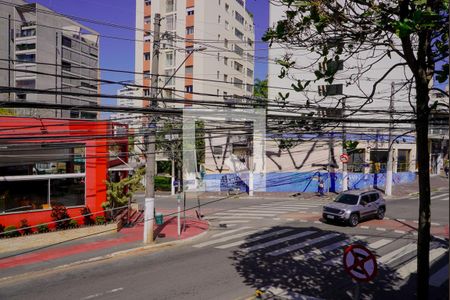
<point>119,54</point>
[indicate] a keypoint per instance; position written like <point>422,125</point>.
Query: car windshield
<point>347,199</point>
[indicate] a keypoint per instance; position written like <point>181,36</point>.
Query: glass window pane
<point>67,191</point>
<point>23,195</point>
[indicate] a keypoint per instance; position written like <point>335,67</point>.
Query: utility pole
<point>344,150</point>
<point>151,140</point>
<point>388,189</point>
<point>9,56</point>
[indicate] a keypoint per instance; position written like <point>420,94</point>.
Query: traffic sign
<point>344,158</point>
<point>360,263</point>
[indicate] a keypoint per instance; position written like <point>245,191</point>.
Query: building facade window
<point>225,77</point>
<point>190,30</point>
<point>227,7</point>
<point>218,75</point>
<point>238,34</point>
<point>190,11</point>
<point>148,2</point>
<point>238,17</point>
<point>218,19</point>
<point>147,56</point>
<point>170,6</point>
<point>225,60</point>
<point>50,175</point>
<point>189,88</point>
<point>227,25</point>
<point>403,156</point>
<point>225,43</point>
<point>67,42</point>
<point>25,58</point>
<point>171,22</point>
<point>249,72</point>
<point>170,59</point>
<point>330,90</point>
<point>147,19</point>
<point>146,92</point>
<point>238,50</point>
<point>189,70</point>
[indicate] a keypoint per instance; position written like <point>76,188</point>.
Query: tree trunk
<point>423,244</point>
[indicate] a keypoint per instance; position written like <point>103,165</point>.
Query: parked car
<point>353,206</point>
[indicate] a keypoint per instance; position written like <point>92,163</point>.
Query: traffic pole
<point>151,139</point>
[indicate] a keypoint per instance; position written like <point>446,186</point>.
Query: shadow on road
<point>310,276</point>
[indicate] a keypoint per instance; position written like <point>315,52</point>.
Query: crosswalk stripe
<point>265,208</point>
<point>259,211</point>
<point>230,231</point>
<point>411,267</point>
<point>278,241</point>
<point>397,253</point>
<point>379,243</point>
<point>375,245</point>
<point>327,248</point>
<point>438,278</point>
<point>441,196</point>
<point>301,245</point>
<point>244,214</point>
<point>256,238</point>
<point>225,239</point>
<point>234,217</point>
<point>237,221</point>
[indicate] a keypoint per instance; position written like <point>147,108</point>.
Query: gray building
<point>47,51</point>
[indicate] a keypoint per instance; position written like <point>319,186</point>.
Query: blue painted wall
<point>299,182</point>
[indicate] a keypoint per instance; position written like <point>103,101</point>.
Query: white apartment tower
<point>223,69</point>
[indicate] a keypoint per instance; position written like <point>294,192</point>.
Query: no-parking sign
<point>360,263</point>
<point>344,158</point>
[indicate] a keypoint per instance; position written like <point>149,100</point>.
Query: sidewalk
<point>96,248</point>
<point>437,183</point>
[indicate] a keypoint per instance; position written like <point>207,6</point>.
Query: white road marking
<point>301,245</point>
<point>435,224</point>
<point>442,197</point>
<point>375,245</point>
<point>364,227</point>
<point>397,253</point>
<point>317,222</point>
<point>244,214</point>
<point>401,220</point>
<point>328,248</point>
<point>224,239</point>
<point>229,231</point>
<point>378,244</point>
<point>411,267</point>
<point>236,221</point>
<point>278,241</point>
<point>415,221</point>
<point>102,294</point>
<point>235,217</point>
<point>400,231</point>
<point>380,229</point>
<point>438,278</point>
<point>256,238</point>
<point>289,219</point>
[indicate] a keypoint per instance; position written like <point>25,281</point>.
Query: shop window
<point>23,195</point>
<point>378,159</point>
<point>356,161</point>
<point>403,160</point>
<point>67,191</point>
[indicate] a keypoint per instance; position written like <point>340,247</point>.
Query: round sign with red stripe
<point>344,158</point>
<point>360,263</point>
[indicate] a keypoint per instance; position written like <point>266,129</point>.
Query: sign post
<point>361,265</point>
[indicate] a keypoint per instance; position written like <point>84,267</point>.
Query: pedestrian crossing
<point>264,211</point>
<point>326,247</point>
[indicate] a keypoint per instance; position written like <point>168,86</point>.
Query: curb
<point>116,254</point>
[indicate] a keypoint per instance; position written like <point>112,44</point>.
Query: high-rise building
<point>217,35</point>
<point>44,50</point>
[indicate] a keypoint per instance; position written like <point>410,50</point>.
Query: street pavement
<point>278,244</point>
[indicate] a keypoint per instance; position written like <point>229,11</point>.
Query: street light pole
<point>151,140</point>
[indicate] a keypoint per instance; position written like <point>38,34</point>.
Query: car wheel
<point>353,220</point>
<point>380,213</point>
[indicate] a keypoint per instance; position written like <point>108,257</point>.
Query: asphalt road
<point>257,250</point>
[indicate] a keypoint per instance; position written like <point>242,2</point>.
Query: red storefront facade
<point>49,161</point>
